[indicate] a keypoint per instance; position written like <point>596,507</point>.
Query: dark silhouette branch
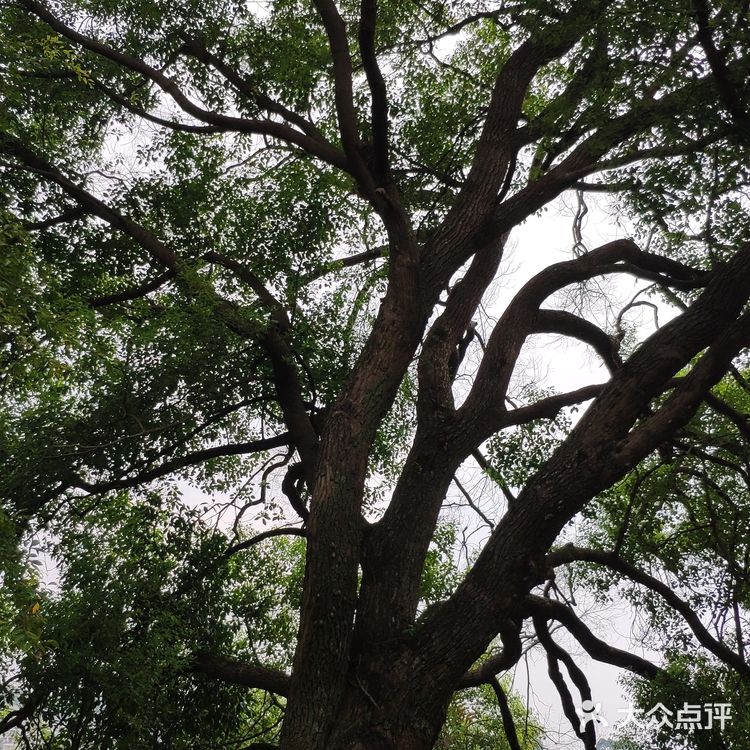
<point>509,725</point>
<point>182,462</point>
<point>500,662</point>
<point>71,214</point>
<point>16,717</point>
<point>556,655</point>
<point>571,553</point>
<point>722,75</point>
<point>136,292</point>
<point>595,647</point>
<point>258,538</point>
<point>567,324</point>
<point>335,28</point>
<point>376,83</point>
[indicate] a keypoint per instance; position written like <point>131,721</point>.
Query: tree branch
<point>595,647</point>
<point>376,82</point>
<point>259,127</point>
<point>722,75</point>
<point>488,670</point>
<point>343,89</point>
<point>240,546</point>
<point>240,673</point>
<point>567,324</point>
<point>487,395</point>
<point>555,655</point>
<point>190,459</point>
<point>571,553</point>
<point>509,724</point>
<point>134,292</point>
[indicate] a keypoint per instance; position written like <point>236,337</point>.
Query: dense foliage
<point>276,470</point>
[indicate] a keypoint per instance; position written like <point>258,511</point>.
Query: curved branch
<point>488,670</point>
<point>258,127</point>
<point>89,203</point>
<point>13,719</point>
<point>262,538</point>
<point>571,553</point>
<point>496,148</point>
<point>567,324</point>
<point>595,647</point>
<point>191,459</point>
<point>286,380</point>
<point>555,655</point>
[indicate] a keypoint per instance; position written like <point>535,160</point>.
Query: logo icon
<point>591,711</point>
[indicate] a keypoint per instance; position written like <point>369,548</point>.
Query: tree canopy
<point>253,342</point>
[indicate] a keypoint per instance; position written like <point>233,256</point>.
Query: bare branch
<point>521,316</point>
<point>258,538</point>
<point>567,324</point>
<point>571,553</point>
<point>555,655</point>
<point>509,725</point>
<point>595,647</point>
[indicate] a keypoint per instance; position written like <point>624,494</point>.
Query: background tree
<point>248,246</point>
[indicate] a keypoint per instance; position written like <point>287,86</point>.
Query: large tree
<point>249,247</point>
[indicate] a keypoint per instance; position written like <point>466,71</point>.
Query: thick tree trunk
<point>383,708</point>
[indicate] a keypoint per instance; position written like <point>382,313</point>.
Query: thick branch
<point>134,292</point>
<point>567,324</point>
<point>488,670</point>
<point>376,82</point>
<point>239,673</point>
<point>595,647</point>
<point>523,317</point>
<point>599,450</point>
<point>496,148</point>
